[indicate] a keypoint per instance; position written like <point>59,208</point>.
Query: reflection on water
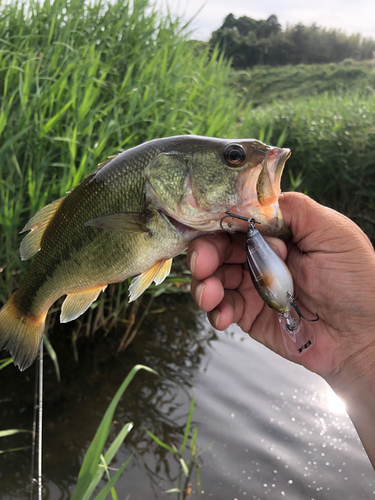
<point>173,343</point>
<point>334,403</point>
<point>278,430</point>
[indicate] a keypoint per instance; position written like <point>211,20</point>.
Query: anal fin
<point>158,272</point>
<point>77,303</point>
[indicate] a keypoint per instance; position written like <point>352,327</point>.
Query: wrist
<point>355,373</point>
<point>354,383</point>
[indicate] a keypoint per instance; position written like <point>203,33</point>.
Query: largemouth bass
<point>130,217</point>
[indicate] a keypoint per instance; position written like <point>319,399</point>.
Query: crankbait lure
<point>274,283</point>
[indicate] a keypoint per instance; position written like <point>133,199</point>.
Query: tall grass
<point>83,80</point>
<point>80,81</point>
<point>96,462</point>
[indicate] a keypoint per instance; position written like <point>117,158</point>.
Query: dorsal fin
<point>101,165</point>
<point>30,245</point>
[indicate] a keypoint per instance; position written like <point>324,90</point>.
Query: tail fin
<point>20,333</point>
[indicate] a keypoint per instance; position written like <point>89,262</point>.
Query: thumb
<point>316,227</point>
<point>310,222</point>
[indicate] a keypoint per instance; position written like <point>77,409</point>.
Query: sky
<point>351,16</point>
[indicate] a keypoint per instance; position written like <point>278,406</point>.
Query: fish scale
<point>130,217</point>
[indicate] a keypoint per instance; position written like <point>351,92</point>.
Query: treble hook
<point>295,307</point>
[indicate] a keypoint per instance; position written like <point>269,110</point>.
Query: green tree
<point>249,42</point>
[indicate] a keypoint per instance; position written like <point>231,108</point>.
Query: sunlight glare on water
<point>334,403</point>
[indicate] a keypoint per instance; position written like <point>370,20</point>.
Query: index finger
<point>206,253</point>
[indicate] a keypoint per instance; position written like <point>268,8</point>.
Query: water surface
<point>273,429</point>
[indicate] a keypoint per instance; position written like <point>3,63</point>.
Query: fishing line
<point>40,422</point>
<point>38,405</point>
<point>34,434</point>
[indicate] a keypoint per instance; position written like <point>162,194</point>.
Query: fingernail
<point>193,258</point>
<point>199,294</point>
<point>215,317</point>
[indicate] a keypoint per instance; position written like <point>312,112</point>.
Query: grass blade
<point>11,432</point>
<point>160,443</point>
<point>109,455</point>
<point>187,426</point>
<point>107,488</point>
<point>5,362</point>
<point>184,467</point>
<point>14,449</point>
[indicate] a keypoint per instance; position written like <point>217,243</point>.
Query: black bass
<point>130,217</point>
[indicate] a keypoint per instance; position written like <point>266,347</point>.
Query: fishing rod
<point>38,406</point>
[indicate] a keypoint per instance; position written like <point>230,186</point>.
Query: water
<point>273,429</point>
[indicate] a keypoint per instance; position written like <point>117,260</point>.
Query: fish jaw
<point>259,191</point>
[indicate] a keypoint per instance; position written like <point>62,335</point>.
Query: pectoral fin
<point>131,222</point>
<point>163,272</point>
<point>158,272</point>
<point>31,243</point>
<point>77,303</point>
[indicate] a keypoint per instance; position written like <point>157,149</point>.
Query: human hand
<point>333,266</point>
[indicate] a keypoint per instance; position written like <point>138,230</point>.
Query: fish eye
<point>234,155</point>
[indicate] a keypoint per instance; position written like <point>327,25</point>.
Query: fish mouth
<point>268,184</point>
<point>181,228</point>
<point>191,232</point>
<point>259,189</point>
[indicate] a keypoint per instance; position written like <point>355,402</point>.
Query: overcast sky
<point>351,16</point>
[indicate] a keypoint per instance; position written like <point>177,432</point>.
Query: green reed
<point>81,81</point>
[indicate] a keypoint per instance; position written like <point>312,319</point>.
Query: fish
<point>130,217</point>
